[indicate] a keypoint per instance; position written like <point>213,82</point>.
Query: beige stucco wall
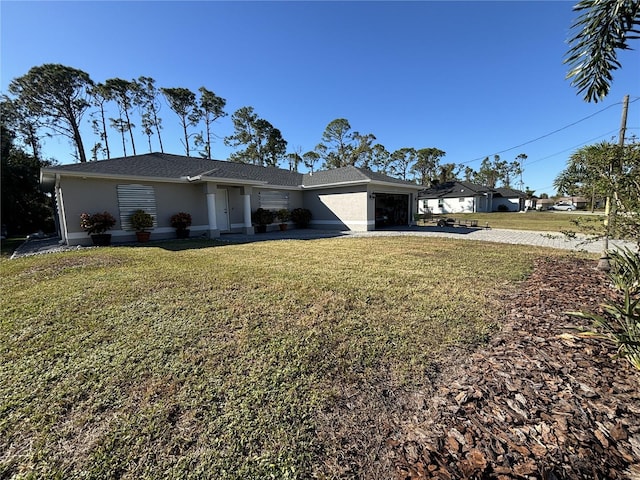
<point>98,195</point>
<point>295,200</point>
<point>340,208</point>
<point>352,207</point>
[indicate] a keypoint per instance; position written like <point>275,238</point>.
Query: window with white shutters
<point>136,197</point>
<point>274,200</point>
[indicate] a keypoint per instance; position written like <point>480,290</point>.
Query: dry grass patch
<point>247,361</point>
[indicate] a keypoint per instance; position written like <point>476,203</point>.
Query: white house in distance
<point>467,197</point>
<point>221,195</point>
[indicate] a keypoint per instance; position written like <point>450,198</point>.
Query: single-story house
<point>221,195</point>
<point>544,203</point>
<point>578,202</point>
<point>513,200</point>
<point>467,197</point>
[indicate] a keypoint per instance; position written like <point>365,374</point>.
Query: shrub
<point>301,217</point>
<point>503,208</point>
<point>181,221</point>
<point>263,217</point>
<point>141,220</point>
<point>97,223</point>
<point>284,215</point>
<point>620,322</point>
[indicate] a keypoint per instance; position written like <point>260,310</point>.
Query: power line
<point>571,148</point>
<point>574,147</point>
<point>548,134</point>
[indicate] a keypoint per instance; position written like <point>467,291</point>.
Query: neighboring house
<point>467,197</point>
<point>455,197</point>
<point>221,195</point>
<point>513,200</point>
<point>544,203</point>
<point>578,202</point>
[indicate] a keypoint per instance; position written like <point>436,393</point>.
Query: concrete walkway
<point>514,237</point>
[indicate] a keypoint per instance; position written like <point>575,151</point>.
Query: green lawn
<point>549,221</point>
<point>241,361</point>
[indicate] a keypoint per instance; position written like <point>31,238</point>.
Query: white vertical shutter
<point>136,197</point>
<point>274,200</point>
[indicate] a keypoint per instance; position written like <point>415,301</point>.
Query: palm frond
<point>602,28</point>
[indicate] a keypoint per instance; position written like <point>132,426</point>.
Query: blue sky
<point>470,78</point>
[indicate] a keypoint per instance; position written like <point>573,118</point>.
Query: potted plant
<point>96,225</point>
<point>181,221</point>
<point>284,215</point>
<point>301,217</point>
<point>140,221</point>
<point>262,218</point>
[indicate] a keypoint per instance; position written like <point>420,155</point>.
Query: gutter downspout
<point>61,212</point>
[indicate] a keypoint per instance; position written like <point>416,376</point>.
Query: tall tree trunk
<point>130,128</point>
<point>78,141</point>
<point>157,124</point>
<point>207,123</point>
<point>186,136</point>
<point>104,132</point>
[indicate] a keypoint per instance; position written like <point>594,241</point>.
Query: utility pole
<point>609,210</point>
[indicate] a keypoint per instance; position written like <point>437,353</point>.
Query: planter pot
<point>182,233</point>
<point>283,227</point>
<point>261,229</point>
<point>101,239</point>
<point>143,237</point>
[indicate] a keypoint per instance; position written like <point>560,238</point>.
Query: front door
<point>222,210</point>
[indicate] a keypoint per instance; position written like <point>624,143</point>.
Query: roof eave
<point>395,184</point>
<point>337,184</point>
<point>111,176</point>
<point>231,181</point>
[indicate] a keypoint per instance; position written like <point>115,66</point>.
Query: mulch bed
<point>537,401</point>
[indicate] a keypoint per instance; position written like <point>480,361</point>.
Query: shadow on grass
<point>51,245</point>
<point>9,245</point>
<point>234,239</point>
<point>461,230</point>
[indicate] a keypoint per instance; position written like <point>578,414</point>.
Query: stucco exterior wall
<point>512,204</point>
<point>340,208</point>
<point>85,195</point>
<point>450,205</point>
<point>98,195</point>
<point>456,205</point>
<point>295,200</point>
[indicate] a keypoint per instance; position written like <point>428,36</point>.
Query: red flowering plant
<point>181,221</point>
<point>97,223</point>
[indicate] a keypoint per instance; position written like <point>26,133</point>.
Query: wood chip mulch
<point>538,401</point>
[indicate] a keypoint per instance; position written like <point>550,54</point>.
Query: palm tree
<point>603,27</point>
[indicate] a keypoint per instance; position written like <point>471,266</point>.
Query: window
<point>136,197</point>
<point>440,203</point>
<point>461,200</point>
<point>274,200</point>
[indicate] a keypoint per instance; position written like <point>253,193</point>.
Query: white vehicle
<point>563,206</point>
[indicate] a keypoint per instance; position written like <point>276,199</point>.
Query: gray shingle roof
<point>510,193</point>
<point>349,174</point>
<point>164,165</point>
<point>453,190</point>
<point>466,189</point>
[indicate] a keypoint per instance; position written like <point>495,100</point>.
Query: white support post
<point>211,215</point>
<point>246,201</point>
